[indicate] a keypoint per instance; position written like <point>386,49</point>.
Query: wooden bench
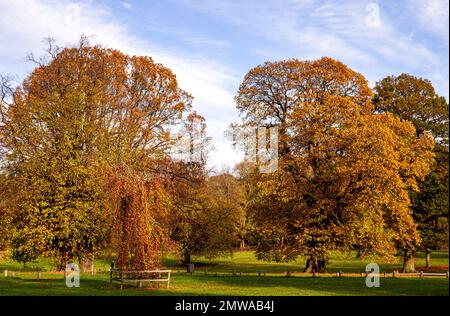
<point>122,276</point>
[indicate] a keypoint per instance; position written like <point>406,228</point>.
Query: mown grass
<point>249,284</point>
<point>245,262</point>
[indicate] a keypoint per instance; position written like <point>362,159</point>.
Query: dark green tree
<point>414,99</point>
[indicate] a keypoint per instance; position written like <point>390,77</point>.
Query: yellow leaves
<point>85,112</point>
<point>343,180</point>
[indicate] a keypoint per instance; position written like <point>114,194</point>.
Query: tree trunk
<point>428,258</point>
<point>242,244</point>
<point>61,265</point>
<point>186,258</point>
<point>408,261</point>
<point>314,264</point>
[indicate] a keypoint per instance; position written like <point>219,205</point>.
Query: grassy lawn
<point>249,284</point>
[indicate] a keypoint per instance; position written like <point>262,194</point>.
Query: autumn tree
<point>140,209</point>
<point>210,224</point>
<point>224,216</point>
<point>206,210</point>
<point>270,92</point>
<point>343,171</point>
<point>6,191</point>
<point>5,213</point>
<point>414,99</point>
<point>60,213</point>
<point>188,181</point>
<point>247,174</point>
<point>84,118</point>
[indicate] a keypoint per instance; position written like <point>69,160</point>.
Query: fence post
<point>421,274</point>
<point>447,274</point>
<point>6,273</point>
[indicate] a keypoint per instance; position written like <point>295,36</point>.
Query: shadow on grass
<point>186,285</point>
<point>352,286</point>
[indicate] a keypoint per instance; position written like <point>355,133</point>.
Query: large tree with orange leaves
<point>85,120</point>
<point>344,172</point>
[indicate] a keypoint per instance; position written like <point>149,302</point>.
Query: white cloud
<point>345,30</point>
<point>304,29</point>
<point>25,23</point>
<point>433,16</point>
<point>126,5</point>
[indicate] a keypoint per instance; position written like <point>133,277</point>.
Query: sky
<point>211,45</point>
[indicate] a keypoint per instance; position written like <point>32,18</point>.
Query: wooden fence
<point>164,275</point>
<point>394,274</point>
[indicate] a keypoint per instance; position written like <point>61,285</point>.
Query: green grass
<point>246,262</point>
<point>249,284</point>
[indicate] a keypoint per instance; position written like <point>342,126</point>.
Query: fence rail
<point>235,273</point>
<point>164,275</point>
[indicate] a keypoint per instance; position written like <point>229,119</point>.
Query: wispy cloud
<point>343,30</point>
<point>126,5</point>
<point>433,16</point>
<point>25,23</point>
<point>211,44</point>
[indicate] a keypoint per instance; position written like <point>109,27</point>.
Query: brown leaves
<point>344,175</point>
<point>116,112</point>
<point>119,107</point>
<point>140,208</point>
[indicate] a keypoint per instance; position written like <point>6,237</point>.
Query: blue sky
<point>210,45</point>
